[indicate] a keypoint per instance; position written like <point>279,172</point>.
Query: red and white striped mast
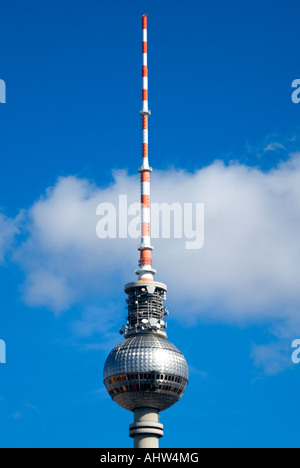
<point>145,271</point>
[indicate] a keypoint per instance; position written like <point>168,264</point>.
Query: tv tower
<point>145,373</point>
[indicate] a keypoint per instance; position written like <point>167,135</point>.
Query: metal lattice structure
<point>146,310</point>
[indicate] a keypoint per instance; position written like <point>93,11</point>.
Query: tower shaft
<point>146,429</point>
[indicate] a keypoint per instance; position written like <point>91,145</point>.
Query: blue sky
<point>219,89</point>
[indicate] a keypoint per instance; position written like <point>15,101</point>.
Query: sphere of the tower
<point>146,371</point>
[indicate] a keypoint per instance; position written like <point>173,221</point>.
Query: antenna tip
<point>144,17</point>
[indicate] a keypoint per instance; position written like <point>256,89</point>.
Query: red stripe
<point>144,22</point>
<point>145,258</point>
<point>145,122</point>
<point>145,94</point>
<point>145,199</point>
<point>145,150</point>
<point>145,71</point>
<point>145,176</point>
<point>146,253</point>
<point>145,229</point>
<point>144,47</point>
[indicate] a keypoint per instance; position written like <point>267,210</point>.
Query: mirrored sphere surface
<point>146,371</point>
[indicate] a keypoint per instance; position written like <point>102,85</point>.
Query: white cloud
<point>274,146</point>
<point>9,228</point>
<point>274,357</point>
<point>248,269</point>
<point>249,265</point>
<point>63,259</point>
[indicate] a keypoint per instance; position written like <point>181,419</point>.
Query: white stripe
<point>145,215</point>
<point>145,188</point>
<point>146,276</point>
<point>145,163</point>
<point>145,59</point>
<point>145,136</point>
<point>144,35</point>
<point>146,241</point>
<point>145,82</point>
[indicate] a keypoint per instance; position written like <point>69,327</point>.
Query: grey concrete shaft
<point>146,429</point>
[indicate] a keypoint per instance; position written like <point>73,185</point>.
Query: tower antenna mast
<point>145,271</point>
